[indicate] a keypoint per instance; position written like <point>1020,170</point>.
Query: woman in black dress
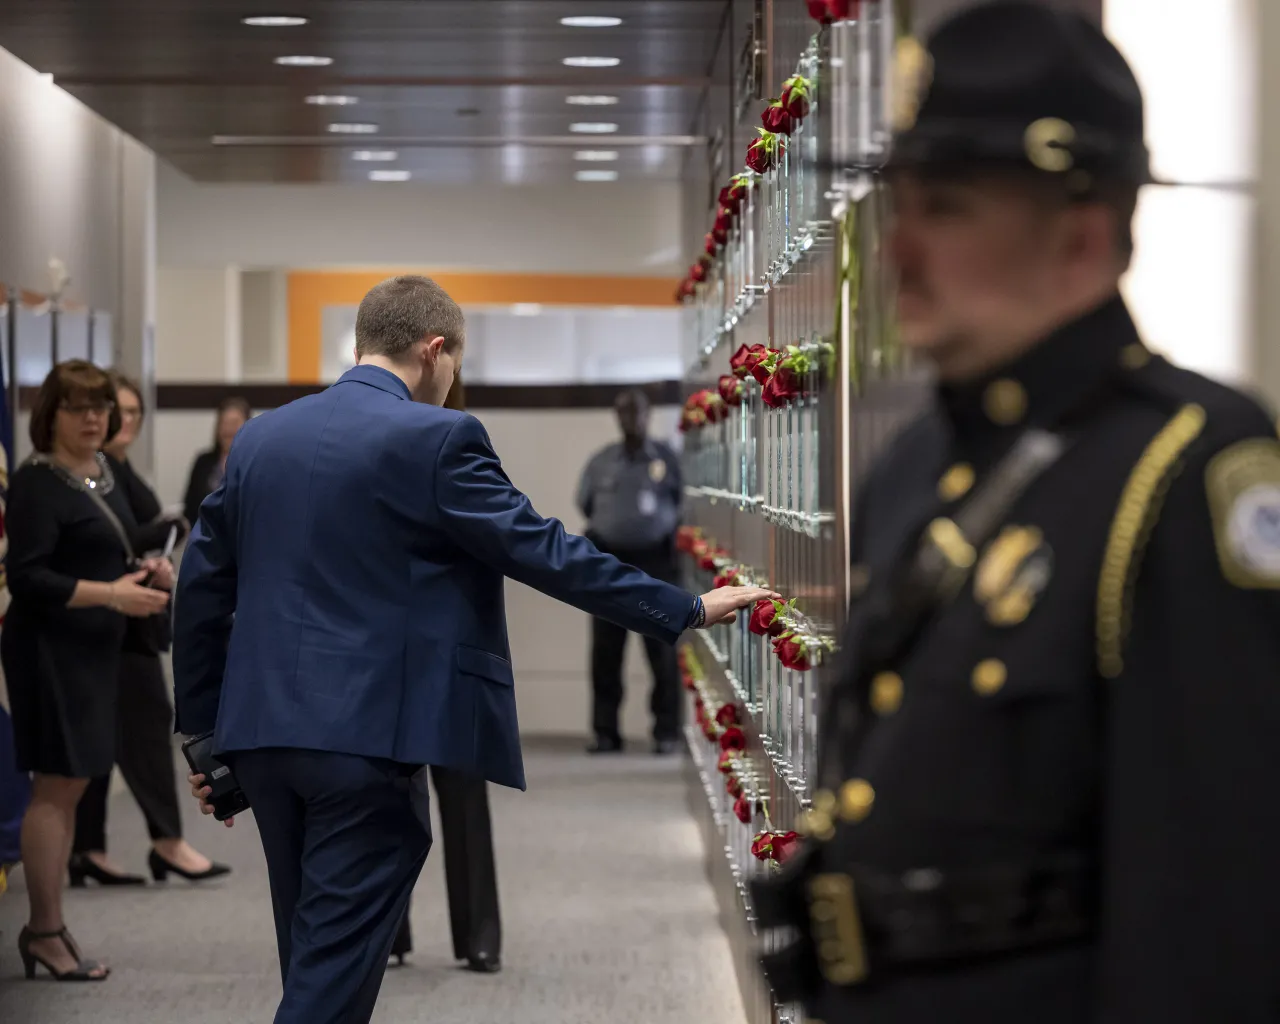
<point>74,584</point>
<point>206,471</point>
<point>144,751</point>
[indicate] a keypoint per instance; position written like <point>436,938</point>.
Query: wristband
<point>697,617</point>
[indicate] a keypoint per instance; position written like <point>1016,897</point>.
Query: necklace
<point>104,483</point>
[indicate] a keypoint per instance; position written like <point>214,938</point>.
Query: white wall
<point>579,228</point>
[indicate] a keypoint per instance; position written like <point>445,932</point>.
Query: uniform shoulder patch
<point>1243,485</point>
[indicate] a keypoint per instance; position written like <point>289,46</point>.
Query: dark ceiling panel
<point>176,73</point>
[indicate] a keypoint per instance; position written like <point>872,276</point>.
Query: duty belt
<point>865,923</point>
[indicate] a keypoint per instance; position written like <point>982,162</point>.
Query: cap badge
<point>912,76</point>
<point>1047,143</point>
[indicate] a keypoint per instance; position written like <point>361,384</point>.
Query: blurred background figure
<point>630,495</point>
<point>471,875</point>
<point>74,582</point>
<point>206,471</point>
<point>144,747</point>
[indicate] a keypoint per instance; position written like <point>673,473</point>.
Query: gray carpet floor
<point>607,917</point>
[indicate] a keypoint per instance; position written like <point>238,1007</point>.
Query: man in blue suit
<point>339,624</point>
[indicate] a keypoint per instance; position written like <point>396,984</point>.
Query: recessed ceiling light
<point>303,61</point>
<point>388,175</point>
<point>274,21</point>
<point>593,127</point>
<point>597,175</point>
<point>526,309</point>
<point>602,156</point>
<point>348,128</point>
<point>374,155</point>
<point>332,101</point>
<point>589,21</point>
<point>591,101</point>
<point>592,62</point>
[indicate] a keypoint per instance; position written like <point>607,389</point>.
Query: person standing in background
<point>74,584</point>
<point>471,876</point>
<point>207,470</point>
<point>630,495</point>
<point>144,748</point>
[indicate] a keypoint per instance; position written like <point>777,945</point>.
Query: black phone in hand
<point>227,798</point>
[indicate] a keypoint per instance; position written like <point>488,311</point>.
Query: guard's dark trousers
<point>344,846</point>
<point>608,644</point>
<point>469,870</point>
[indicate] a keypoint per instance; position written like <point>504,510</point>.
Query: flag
<point>15,786</point>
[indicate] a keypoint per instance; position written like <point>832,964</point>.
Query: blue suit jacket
<point>343,588</point>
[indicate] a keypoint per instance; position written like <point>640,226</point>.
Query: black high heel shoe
<point>82,971</point>
<point>80,867</point>
<point>160,869</point>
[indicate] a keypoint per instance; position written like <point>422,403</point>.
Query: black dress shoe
<point>664,747</point>
<point>484,963</point>
<point>605,745</point>
<point>161,868</point>
<point>81,867</point>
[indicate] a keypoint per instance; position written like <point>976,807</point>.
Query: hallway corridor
<point>606,912</point>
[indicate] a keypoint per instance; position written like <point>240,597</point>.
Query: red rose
<point>795,97</point>
<point>842,10</point>
<point>686,537</point>
<point>733,786</point>
<point>707,562</point>
<point>711,245</point>
<point>782,386</point>
<point>728,578</point>
<point>700,547</point>
<point>720,235</point>
<point>692,419</point>
<point>762,846</point>
<point>698,272</point>
<point>699,709</point>
<point>738,361</point>
<point>743,809</point>
<point>763,367</point>
<point>819,11</point>
<point>728,715</point>
<point>724,220</point>
<point>750,357</point>
<point>727,760</point>
<point>791,652</point>
<point>765,620</point>
<point>710,730</point>
<point>733,738</point>
<point>776,118</point>
<point>785,845</point>
<point>764,152</point>
<point>727,200</point>
<point>690,683</point>
<point>731,390</point>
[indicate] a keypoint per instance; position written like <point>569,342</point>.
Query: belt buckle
<point>837,929</point>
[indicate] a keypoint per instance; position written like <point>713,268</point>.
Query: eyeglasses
<point>85,408</point>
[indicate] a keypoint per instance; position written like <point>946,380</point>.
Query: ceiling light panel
<point>274,21</point>
<point>596,156</point>
<point>369,156</point>
<point>332,101</point>
<point>304,61</point>
<point>592,62</point>
<point>590,21</point>
<point>593,127</point>
<point>352,128</point>
<point>389,175</point>
<point>591,101</point>
<point>597,175</point>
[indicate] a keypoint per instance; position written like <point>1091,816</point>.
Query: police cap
<point>1023,85</point>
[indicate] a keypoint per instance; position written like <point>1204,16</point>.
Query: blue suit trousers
<point>345,838</point>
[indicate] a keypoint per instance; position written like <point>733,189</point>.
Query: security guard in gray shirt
<point>630,494</point>
<point>1047,790</point>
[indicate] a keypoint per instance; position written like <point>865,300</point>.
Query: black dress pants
<point>608,644</point>
<point>470,872</point>
<point>144,752</point>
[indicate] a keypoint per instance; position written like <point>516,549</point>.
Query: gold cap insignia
<point>912,76</point>
<point>1047,143</point>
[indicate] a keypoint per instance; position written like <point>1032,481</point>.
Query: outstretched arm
<point>486,515</point>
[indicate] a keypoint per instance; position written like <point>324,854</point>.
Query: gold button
<point>989,676</point>
<point>955,482</point>
<point>856,798</point>
<point>1134,357</point>
<point>1005,402</point>
<point>886,693</point>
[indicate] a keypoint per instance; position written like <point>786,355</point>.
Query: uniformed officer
<point>630,494</point>
<point>1052,752</point>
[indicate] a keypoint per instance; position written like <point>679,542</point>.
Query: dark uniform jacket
<point>1105,689</point>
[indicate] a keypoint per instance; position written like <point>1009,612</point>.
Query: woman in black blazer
<point>144,749</point>
<point>206,471</point>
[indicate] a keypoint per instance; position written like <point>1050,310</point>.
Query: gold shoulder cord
<point>1134,519</point>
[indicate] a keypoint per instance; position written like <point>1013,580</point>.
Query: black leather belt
<point>865,921</point>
